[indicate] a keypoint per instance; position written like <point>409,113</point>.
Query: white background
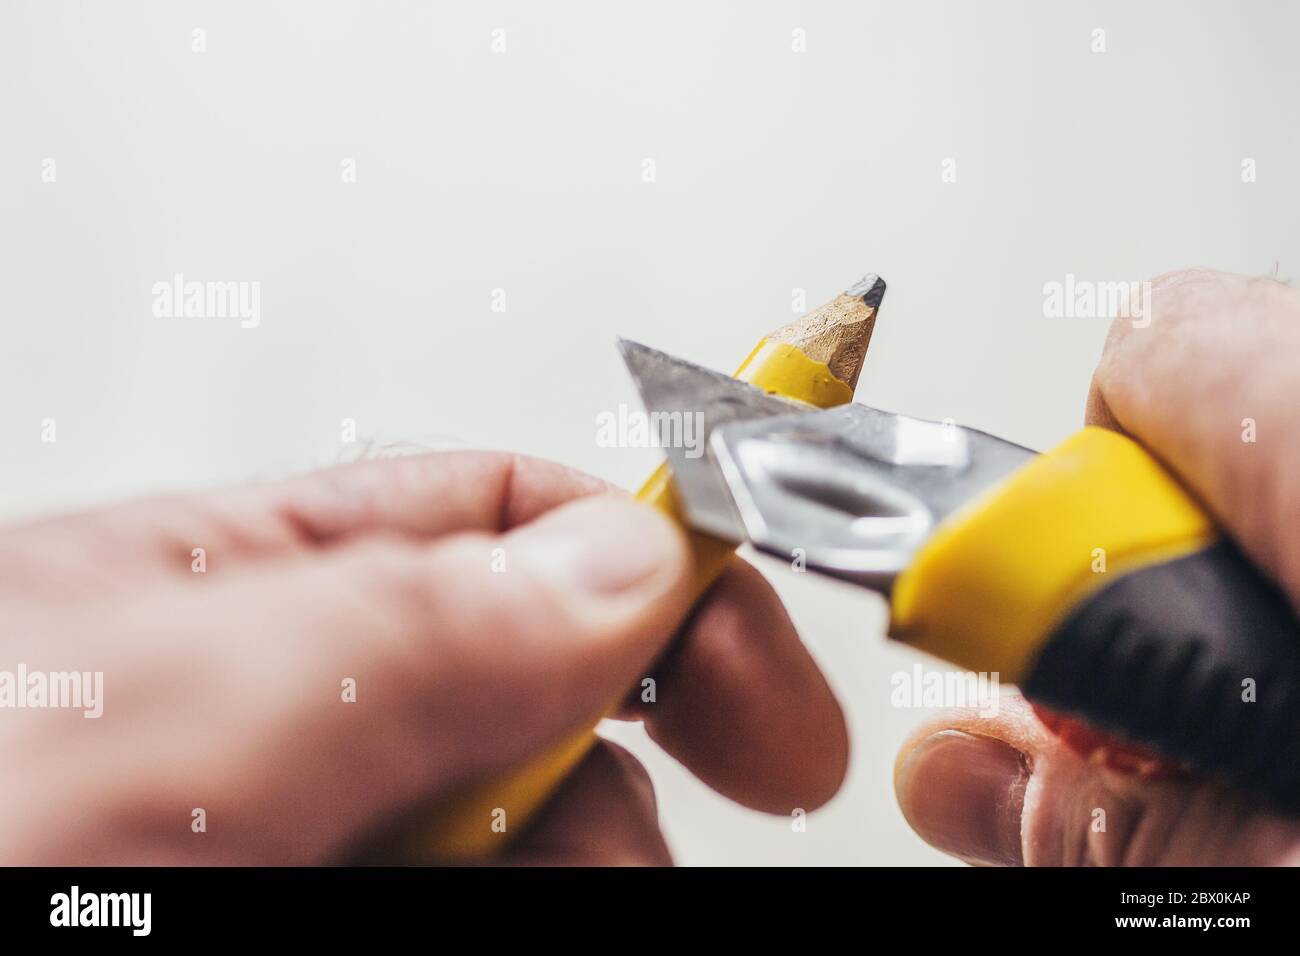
<point>522,171</point>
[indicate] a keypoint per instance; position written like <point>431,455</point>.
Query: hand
<point>224,671</point>
<point>1220,349</point>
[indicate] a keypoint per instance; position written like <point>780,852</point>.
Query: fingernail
<point>964,795</point>
<point>604,545</point>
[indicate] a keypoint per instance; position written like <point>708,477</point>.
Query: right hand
<point>1220,349</point>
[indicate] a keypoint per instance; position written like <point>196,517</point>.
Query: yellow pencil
<point>815,359</point>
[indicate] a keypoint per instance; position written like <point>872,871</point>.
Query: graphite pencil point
<point>870,288</point>
<point>838,332</point>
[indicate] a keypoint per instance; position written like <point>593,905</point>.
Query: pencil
<point>839,332</point>
<point>817,359</point>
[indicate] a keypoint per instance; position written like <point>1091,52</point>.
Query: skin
<point>1005,791</point>
<point>223,689</point>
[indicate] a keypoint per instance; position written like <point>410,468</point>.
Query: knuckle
<point>1270,293</point>
<point>1193,275</point>
<point>1175,304</point>
<point>390,615</point>
<point>445,618</point>
<point>398,577</point>
<point>1195,294</point>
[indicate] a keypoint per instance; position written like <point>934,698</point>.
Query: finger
<point>1209,386</point>
<point>527,635</point>
<point>425,495</point>
<point>1005,791</point>
<point>741,703</point>
<point>604,814</point>
<point>420,496</point>
<point>466,656</point>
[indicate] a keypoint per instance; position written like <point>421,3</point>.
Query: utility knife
<point>1087,574</point>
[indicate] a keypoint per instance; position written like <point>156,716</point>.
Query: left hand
<point>223,690</point>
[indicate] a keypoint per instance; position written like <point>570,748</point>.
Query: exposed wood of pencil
<point>838,332</point>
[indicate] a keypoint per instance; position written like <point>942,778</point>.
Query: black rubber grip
<point>1166,655</point>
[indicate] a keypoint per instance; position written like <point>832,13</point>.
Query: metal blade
<point>854,491</point>
<point>686,403</point>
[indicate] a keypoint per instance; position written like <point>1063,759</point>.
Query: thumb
<point>467,655</point>
<point>458,658</point>
<point>1005,791</point>
<point>521,637</point>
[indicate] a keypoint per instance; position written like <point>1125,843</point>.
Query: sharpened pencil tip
<point>870,289</point>
<point>839,331</point>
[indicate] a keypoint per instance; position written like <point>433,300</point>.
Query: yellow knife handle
<point>1093,580</point>
<point>480,819</point>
